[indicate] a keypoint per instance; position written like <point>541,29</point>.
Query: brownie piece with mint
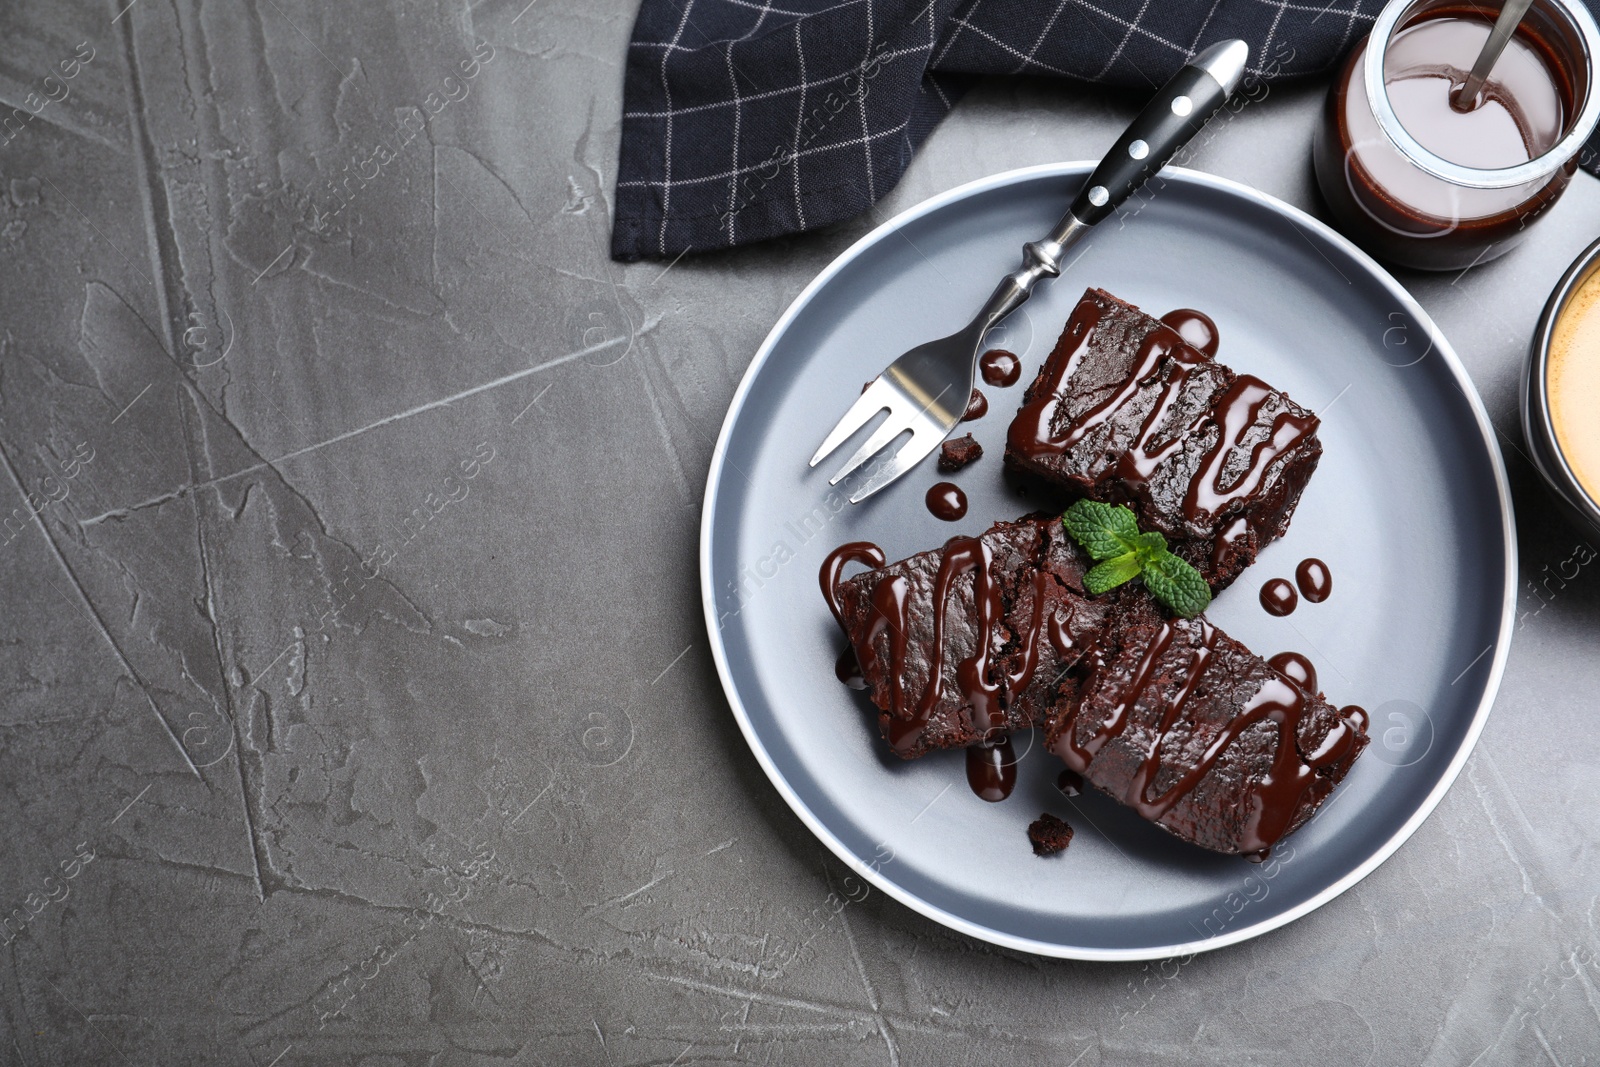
<point>1126,412</point>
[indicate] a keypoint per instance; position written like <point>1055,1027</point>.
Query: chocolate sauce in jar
<point>1393,207</point>
<point>992,769</point>
<point>977,407</point>
<point>1314,579</point>
<point>1297,668</point>
<point>1279,598</point>
<point>999,367</point>
<point>946,501</point>
<point>1195,327</point>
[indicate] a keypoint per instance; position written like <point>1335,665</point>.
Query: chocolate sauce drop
<point>1296,668</point>
<point>977,407</point>
<point>1279,597</point>
<point>1070,783</point>
<point>1000,367</point>
<point>947,501</point>
<point>848,669</point>
<point>1195,327</point>
<point>1357,716</point>
<point>1314,579</point>
<point>1260,855</point>
<point>992,769</point>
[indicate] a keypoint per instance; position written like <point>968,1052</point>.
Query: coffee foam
<point>1572,382</point>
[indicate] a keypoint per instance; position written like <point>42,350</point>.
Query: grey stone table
<point>357,707</point>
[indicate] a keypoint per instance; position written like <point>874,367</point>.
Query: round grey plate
<point>1409,508</point>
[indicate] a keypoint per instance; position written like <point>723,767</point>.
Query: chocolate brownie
<point>1049,835</point>
<point>1198,734</point>
<point>953,455</point>
<point>1125,411</point>
<point>965,643</point>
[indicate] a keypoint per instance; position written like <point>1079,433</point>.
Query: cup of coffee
<point>1561,392</point>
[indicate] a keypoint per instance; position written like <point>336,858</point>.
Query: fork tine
<point>879,395</point>
<point>898,422</point>
<point>924,439</point>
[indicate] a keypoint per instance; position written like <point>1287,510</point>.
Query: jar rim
<point>1536,169</point>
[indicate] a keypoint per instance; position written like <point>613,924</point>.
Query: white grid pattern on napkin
<point>740,86</point>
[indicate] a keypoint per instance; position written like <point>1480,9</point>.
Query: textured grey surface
<point>365,655</point>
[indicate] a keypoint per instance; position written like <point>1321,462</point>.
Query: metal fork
<point>927,389</point>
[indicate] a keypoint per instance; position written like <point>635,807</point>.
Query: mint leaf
<point>1176,584</point>
<point>1112,573</point>
<point>1151,545</point>
<point>1104,530</point>
<point>1110,534</point>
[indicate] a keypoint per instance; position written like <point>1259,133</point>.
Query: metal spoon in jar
<point>1466,98</point>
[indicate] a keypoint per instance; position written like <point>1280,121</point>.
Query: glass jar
<point>1420,182</point>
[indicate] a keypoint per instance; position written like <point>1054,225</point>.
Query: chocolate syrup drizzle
<point>863,552</point>
<point>1195,327</point>
<point>1274,798</point>
<point>1231,534</point>
<point>991,764</point>
<point>985,689</point>
<point>847,668</point>
<point>1163,352</point>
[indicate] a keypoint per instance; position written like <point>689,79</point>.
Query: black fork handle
<point>1167,123</point>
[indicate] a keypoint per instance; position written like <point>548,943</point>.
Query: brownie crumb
<point>1049,835</point>
<point>958,453</point>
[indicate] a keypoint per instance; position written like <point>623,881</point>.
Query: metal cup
<point>1537,425</point>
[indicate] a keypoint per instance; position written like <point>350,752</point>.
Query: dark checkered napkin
<point>749,119</point>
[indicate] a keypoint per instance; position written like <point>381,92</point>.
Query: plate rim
<point>1053,949</point>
